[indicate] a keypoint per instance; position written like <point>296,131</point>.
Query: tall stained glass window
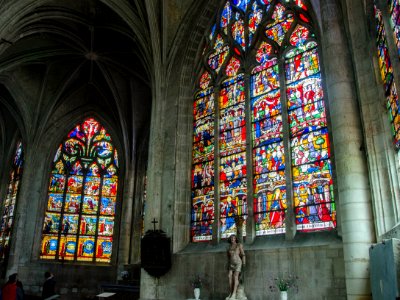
<point>386,71</point>
<point>79,218</point>
<point>9,205</point>
<point>260,106</point>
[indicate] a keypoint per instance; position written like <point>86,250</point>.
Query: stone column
<point>353,194</point>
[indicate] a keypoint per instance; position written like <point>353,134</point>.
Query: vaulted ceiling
<point>61,56</point>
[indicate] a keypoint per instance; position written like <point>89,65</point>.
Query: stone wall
<point>320,270</point>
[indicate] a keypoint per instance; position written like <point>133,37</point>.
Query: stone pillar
<point>353,194</point>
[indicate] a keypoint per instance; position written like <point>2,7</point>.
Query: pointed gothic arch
<point>261,67</point>
<point>82,195</point>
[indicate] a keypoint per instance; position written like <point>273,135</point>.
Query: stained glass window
<point>79,218</point>
<point>9,205</point>
<point>386,71</point>
<point>245,128</point>
<point>394,9</point>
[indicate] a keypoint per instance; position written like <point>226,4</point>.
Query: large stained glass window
<point>9,205</point>
<point>386,71</point>
<point>260,106</point>
<point>79,218</point>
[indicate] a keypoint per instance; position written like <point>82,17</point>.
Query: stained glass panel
<point>226,17</point>
<point>233,67</point>
<point>310,149</point>
<point>254,20</point>
<point>10,202</point>
<point>265,81</point>
<point>313,196</point>
<point>74,217</point>
<point>204,104</point>
<point>241,4</point>
<point>394,9</point>
<point>238,31</point>
<point>386,72</point>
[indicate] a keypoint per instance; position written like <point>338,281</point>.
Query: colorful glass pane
<point>49,246</point>
<point>202,214</point>
<point>232,205</point>
<point>232,93</point>
<point>203,130</point>
<point>255,18</point>
<point>267,131</point>
<point>264,55</point>
<point>386,72</point>
<point>281,24</point>
<point>299,36</point>
<point>212,33</point>
<point>313,196</point>
<point>226,17</point>
<point>270,203</point>
<point>302,65</point>
<point>86,248</point>
<point>10,202</point>
<point>104,249</point>
<point>264,81</point>
<point>232,117</point>
<point>72,223</point>
<point>300,4</point>
<point>72,202</point>
<point>233,67</point>
<point>217,58</point>
<point>269,158</point>
<point>205,80</point>
<point>238,32</point>
<point>304,92</point>
<point>203,175</point>
<point>67,247</point>
<point>204,104</point>
<point>266,106</point>
<point>241,4</point>
<point>394,9</point>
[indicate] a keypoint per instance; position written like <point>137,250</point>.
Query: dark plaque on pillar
<point>156,252</point>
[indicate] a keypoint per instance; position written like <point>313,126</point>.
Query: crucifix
<point>154,223</point>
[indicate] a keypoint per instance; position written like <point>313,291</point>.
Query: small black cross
<point>154,223</point>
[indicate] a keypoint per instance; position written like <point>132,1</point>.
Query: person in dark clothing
<point>48,286</point>
<point>13,289</point>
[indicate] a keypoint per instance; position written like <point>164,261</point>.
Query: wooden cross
<point>154,223</point>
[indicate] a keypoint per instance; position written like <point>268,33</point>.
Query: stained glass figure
<point>226,17</point>
<point>386,72</point>
<point>276,39</point>
<point>82,197</point>
<point>281,24</point>
<point>255,18</point>
<point>233,67</point>
<point>238,31</point>
<point>10,202</point>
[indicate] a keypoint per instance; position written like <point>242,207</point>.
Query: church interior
<point>138,137</point>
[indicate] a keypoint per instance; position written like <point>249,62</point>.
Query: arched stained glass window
<point>386,71</point>
<point>7,219</point>
<point>79,218</point>
<point>260,106</point>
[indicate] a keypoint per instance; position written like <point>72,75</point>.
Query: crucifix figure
<point>154,224</point>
